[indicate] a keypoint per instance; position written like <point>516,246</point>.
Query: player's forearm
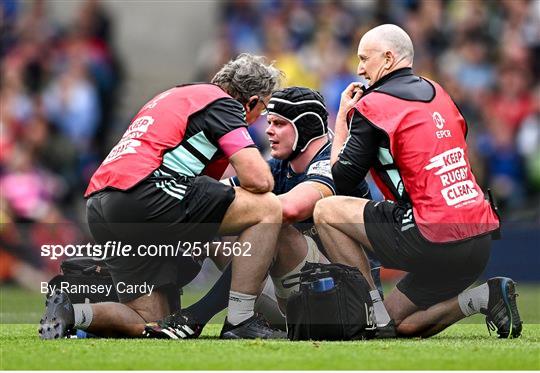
<point>289,209</point>
<point>252,171</point>
<point>299,203</point>
<point>347,178</point>
<point>262,186</point>
<point>294,214</point>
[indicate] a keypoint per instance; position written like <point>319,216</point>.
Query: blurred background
<point>73,73</point>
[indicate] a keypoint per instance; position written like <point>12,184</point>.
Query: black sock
<point>215,301</point>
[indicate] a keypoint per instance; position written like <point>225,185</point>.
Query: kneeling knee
<point>322,210</point>
<point>269,208</point>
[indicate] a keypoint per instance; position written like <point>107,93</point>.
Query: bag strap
<point>307,275</point>
<point>314,271</point>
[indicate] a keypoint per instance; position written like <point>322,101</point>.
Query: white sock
<point>83,315</point>
<point>474,300</point>
<point>381,314</point>
<point>240,307</point>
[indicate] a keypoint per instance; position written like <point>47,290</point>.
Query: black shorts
<point>151,214</point>
<point>436,271</point>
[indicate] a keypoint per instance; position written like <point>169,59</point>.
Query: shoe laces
<point>261,321</point>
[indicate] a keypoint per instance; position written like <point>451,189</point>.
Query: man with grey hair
<point>435,223</point>
<point>160,186</point>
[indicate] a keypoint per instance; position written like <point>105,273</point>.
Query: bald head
<point>393,38</point>
<point>384,49</point>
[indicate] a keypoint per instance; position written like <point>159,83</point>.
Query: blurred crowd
<point>58,90</point>
<point>60,85</point>
<point>485,53</point>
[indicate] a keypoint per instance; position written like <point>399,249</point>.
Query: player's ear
<point>389,59</point>
<point>252,102</point>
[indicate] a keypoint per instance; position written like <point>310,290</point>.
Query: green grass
<point>463,346</point>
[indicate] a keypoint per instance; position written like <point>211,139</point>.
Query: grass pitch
<point>466,345</point>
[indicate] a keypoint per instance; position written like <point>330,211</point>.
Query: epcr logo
<point>438,120</point>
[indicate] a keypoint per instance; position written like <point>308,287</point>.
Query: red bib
<point>428,162</point>
<point>152,132</point>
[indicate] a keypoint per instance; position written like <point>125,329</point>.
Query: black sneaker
<point>179,325</point>
<point>502,313</point>
<point>386,331</point>
<point>58,320</point>
<point>254,327</point>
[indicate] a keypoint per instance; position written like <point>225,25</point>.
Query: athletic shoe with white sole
<point>59,318</point>
<point>179,325</point>
<point>502,313</point>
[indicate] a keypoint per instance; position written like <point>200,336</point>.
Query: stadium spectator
<point>71,101</point>
<point>504,111</point>
<point>29,196</point>
<point>435,224</point>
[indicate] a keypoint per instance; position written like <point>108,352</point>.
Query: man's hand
<point>350,96</point>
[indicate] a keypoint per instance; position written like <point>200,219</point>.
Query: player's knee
<point>268,209</point>
<point>323,210</point>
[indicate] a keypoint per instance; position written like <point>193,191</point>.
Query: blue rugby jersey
<point>318,170</point>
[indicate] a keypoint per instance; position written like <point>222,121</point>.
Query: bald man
<point>435,223</point>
